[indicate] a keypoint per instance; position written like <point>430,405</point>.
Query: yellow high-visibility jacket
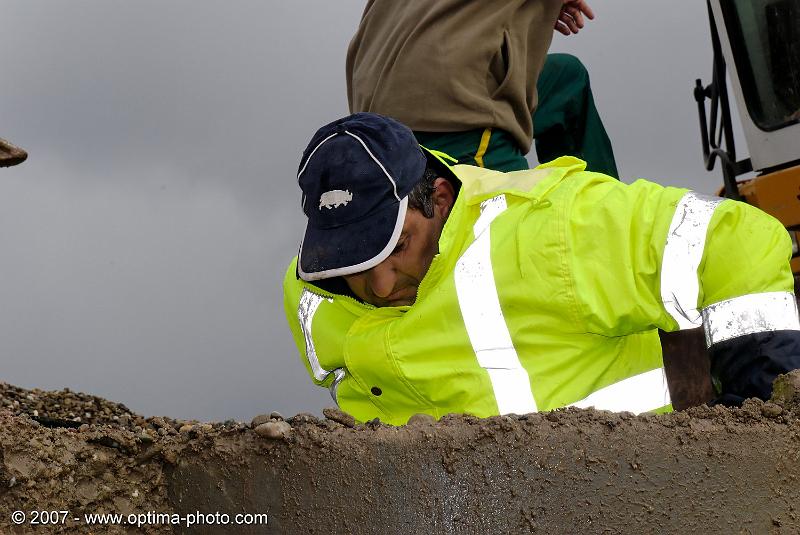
<point>547,292</point>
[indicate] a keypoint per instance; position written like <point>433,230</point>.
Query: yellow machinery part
<point>777,194</point>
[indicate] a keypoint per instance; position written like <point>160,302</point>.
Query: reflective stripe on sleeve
<point>750,314</point>
<point>484,321</point>
<point>641,393</point>
<point>683,253</point>
<point>309,303</point>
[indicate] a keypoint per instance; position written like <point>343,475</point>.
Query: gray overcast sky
<point>145,239</point>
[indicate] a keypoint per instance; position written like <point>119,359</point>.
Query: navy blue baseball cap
<point>356,174</point>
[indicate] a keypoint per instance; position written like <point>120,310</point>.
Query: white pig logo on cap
<point>334,199</point>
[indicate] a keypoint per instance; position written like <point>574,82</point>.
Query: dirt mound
<point>68,409</point>
<point>121,468</point>
<point>64,469</point>
<point>714,470</point>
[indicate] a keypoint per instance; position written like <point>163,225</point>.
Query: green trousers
<point>565,123</point>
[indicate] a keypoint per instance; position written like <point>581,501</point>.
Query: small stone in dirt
<point>274,430</point>
<point>332,413</point>
<point>552,416</point>
<point>145,438</point>
<point>771,410</point>
<point>421,420</point>
<point>260,419</point>
<point>786,389</point>
<point>275,415</point>
<point>169,456</point>
<point>148,455</point>
<point>161,422</point>
<point>304,418</point>
<point>185,428</point>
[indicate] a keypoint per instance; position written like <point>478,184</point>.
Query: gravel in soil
<point>68,409</point>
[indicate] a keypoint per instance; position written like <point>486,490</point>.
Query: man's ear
<point>444,196</point>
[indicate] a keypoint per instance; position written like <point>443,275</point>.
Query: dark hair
<point>421,197</point>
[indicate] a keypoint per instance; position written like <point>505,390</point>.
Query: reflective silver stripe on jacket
<point>750,314</point>
<point>484,321</point>
<point>683,253</point>
<point>338,375</point>
<point>309,303</point>
<point>641,393</point>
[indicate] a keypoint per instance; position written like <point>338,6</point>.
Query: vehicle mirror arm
<point>712,147</point>
<point>710,136</point>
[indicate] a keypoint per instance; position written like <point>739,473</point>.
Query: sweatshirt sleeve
<point>650,257</point>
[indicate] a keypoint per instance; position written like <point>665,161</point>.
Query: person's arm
<point>672,259</point>
<point>748,307</point>
<point>318,326</point>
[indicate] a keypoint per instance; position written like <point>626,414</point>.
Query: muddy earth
<point>65,455</point>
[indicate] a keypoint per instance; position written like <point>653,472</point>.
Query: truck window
<point>765,41</point>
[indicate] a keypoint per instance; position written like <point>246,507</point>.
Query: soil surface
<point>711,470</point>
<point>70,451</point>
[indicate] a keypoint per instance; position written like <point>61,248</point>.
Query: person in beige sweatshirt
<point>465,75</point>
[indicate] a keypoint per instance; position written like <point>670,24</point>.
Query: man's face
<point>394,282</point>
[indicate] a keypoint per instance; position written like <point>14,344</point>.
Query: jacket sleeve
<point>318,327</point>
<point>747,305</point>
<point>668,258</point>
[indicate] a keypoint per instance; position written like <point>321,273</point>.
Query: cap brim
<point>352,248</point>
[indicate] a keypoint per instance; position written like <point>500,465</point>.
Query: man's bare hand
<point>571,19</point>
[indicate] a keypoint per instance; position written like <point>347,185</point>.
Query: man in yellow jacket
<point>424,288</point>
